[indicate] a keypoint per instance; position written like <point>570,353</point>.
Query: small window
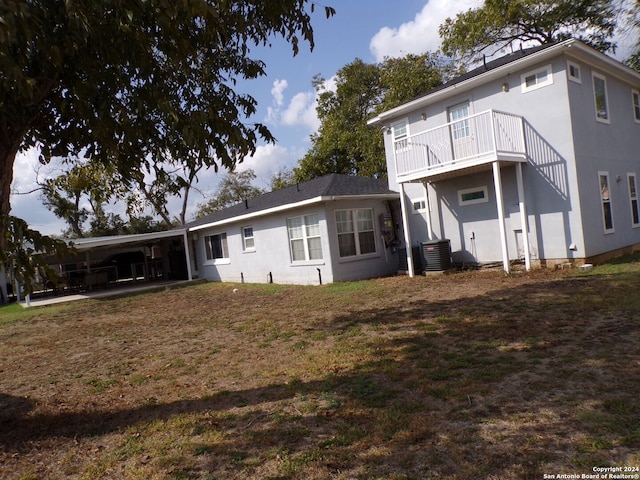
<point>400,130</point>
<point>600,97</point>
<point>419,206</point>
<point>248,242</point>
<point>605,200</point>
<point>471,196</point>
<point>635,102</point>
<point>536,79</point>
<point>633,198</point>
<point>216,247</point>
<point>573,72</point>
<point>304,238</point>
<point>356,234</point>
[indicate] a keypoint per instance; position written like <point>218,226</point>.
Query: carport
<point>121,262</point>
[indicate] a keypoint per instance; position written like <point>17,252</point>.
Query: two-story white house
<point>531,157</point>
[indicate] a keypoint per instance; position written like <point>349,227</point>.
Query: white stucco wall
<point>271,258</point>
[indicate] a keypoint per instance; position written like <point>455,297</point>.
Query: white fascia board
<point>291,206</point>
<point>259,213</point>
<point>88,243</point>
<point>480,79</point>
<point>608,65</point>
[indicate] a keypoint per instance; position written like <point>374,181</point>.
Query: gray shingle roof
<point>487,66</point>
<point>328,186</point>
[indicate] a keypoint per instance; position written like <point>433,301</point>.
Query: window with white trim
<point>600,97</point>
<point>460,127</point>
<point>573,72</point>
<point>248,242</point>
<point>535,79</point>
<point>605,200</point>
<point>356,232</point>
<point>304,238</point>
<point>419,206</point>
<point>471,196</point>
<point>400,130</point>
<point>633,199</point>
<point>635,103</point>
<point>215,247</point>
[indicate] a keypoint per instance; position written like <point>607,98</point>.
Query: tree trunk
<point>8,151</point>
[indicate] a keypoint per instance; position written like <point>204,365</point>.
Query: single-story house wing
<point>333,228</point>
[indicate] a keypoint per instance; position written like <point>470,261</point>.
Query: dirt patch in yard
<point>468,375</point>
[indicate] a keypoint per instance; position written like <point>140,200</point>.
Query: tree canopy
<point>344,142</point>
<point>497,23</point>
<point>235,187</point>
<point>136,82</point>
<point>132,85</point>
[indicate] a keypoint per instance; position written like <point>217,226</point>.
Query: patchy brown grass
<point>470,375</point>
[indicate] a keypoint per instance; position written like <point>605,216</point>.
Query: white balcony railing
<point>474,140</point>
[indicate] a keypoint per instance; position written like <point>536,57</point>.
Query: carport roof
<point>82,244</point>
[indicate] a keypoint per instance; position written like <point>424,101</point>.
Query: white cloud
<point>302,111</point>
<point>267,161</point>
<point>277,91</point>
<point>419,35</point>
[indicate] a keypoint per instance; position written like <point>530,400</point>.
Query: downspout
<point>187,254</point>
<point>406,230</point>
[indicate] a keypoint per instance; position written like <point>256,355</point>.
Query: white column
<point>497,180</point>
<point>523,217</point>
<point>427,213</point>
<point>406,230</point>
<point>187,255</point>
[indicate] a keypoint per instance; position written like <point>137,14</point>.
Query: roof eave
<point>88,243</point>
<point>291,206</point>
<point>482,78</point>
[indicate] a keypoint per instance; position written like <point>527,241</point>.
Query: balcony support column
<point>406,230</point>
<point>427,210</point>
<point>523,217</point>
<point>497,180</point>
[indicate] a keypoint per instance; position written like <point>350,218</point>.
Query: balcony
<point>460,147</point>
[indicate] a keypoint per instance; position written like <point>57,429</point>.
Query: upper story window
<point>400,130</point>
<point>600,98</point>
<point>215,247</point>
<point>304,237</point>
<point>535,79</point>
<point>459,122</point>
<point>573,72</point>
<point>635,102</point>
<point>356,235</point>
<point>248,242</point>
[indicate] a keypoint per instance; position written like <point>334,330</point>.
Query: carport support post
<point>187,254</point>
<point>497,180</point>
<point>406,230</point>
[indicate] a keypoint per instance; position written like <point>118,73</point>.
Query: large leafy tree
<point>235,187</point>
<point>344,142</point>
<point>498,23</point>
<point>133,82</point>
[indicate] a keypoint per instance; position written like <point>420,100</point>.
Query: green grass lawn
<point>473,375</point>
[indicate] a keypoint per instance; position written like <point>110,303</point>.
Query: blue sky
<point>365,29</point>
